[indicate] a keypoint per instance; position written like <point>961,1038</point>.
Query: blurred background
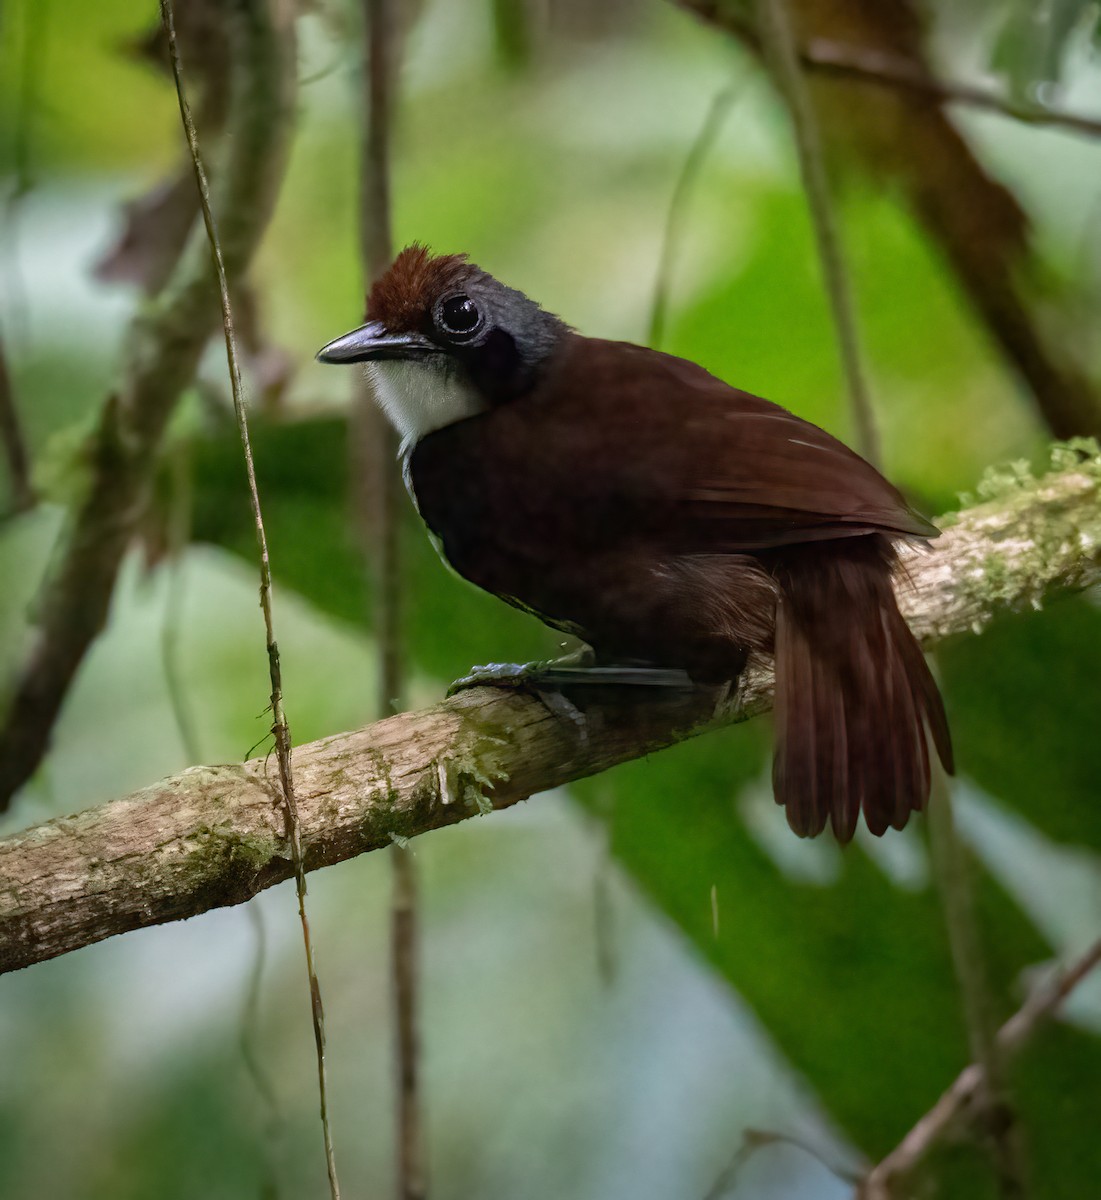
<point>621,981</point>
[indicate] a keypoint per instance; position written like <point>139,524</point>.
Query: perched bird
<point>667,519</point>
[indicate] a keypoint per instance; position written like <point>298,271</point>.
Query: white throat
<point>419,397</point>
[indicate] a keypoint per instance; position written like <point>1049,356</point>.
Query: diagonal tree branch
<point>954,1104</point>
<point>165,342</point>
<point>215,835</point>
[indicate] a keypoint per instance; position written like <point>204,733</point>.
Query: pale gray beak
<point>373,343</point>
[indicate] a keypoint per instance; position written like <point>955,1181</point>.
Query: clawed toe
<point>503,675</point>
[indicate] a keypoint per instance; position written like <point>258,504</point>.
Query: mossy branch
<point>215,835</point>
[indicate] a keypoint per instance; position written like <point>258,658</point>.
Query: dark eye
<point>459,316</point>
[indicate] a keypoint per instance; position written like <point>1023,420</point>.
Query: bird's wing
<point>619,442</point>
<point>718,469</point>
<point>770,479</point>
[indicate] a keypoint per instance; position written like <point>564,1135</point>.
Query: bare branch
<point>280,729</point>
<point>383,520</point>
<point>958,1099</point>
<point>214,835</point>
<point>164,345</point>
<point>377,491</point>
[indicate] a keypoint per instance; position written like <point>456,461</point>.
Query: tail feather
<point>855,699</point>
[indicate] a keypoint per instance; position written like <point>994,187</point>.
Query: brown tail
<point>854,695</point>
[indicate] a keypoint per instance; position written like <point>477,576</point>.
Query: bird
<point>674,523</point>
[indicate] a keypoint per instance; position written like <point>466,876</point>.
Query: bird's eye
<point>459,316</point>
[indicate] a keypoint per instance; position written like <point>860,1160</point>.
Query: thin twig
<point>15,445</point>
<point>604,910</point>
<point>959,1098</point>
<point>36,20</point>
<point>32,24</point>
<point>253,1060</point>
<point>162,349</point>
<point>1046,999</point>
<point>178,536</point>
<point>411,1177</point>
<point>957,897</point>
<point>376,242</point>
<point>717,113</point>
<point>280,729</point>
<point>757,1139</point>
<point>376,250</point>
<point>779,43</point>
<point>379,78</point>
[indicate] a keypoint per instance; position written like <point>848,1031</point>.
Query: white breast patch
<point>421,397</point>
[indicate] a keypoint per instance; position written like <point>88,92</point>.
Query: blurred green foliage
<point>551,160</point>
<point>1040,670</point>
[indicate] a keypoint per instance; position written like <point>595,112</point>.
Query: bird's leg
<point>616,675</point>
<point>501,675</point>
<point>547,679</point>
<point>580,668</point>
<point>531,677</point>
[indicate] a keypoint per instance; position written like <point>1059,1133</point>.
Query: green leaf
<point>1056,1082</point>
<point>852,978</point>
<point>512,33</point>
<point>1023,702</point>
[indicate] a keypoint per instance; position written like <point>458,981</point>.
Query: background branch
<point>280,729</point>
<point>903,132</point>
<point>163,349</point>
<point>215,836</point>
<point>382,520</point>
<point>701,147</point>
<point>954,877</point>
<point>972,1080</point>
<point>14,443</point>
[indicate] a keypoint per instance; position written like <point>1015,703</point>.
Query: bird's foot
<point>534,677</point>
<point>547,679</point>
<point>559,673</point>
<point>502,675</point>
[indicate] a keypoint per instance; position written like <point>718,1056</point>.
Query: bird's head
<point>445,341</point>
